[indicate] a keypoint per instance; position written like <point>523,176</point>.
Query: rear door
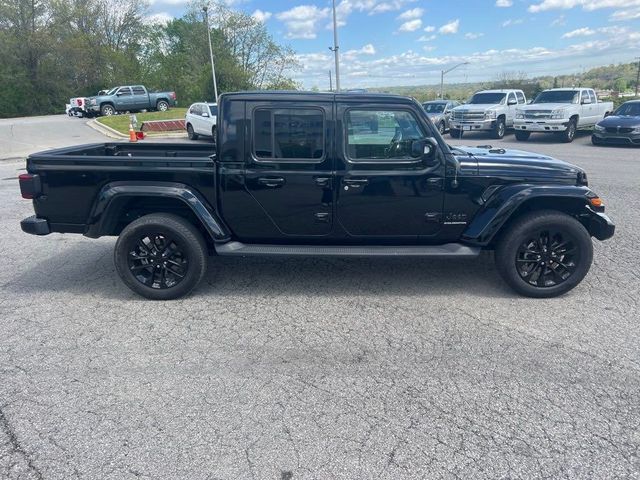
<point>383,191</point>
<point>289,166</point>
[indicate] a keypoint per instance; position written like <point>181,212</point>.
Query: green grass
<point>121,122</point>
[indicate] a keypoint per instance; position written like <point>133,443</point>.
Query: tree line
<point>57,49</point>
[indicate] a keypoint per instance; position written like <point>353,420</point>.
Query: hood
<point>435,116</point>
<point>519,164</point>
<point>620,121</point>
<point>544,106</point>
<point>477,107</point>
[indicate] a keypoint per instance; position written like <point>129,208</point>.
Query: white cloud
<point>428,48</point>
<point>367,49</point>
<point>511,22</point>
<point>585,4</point>
<point>411,25</point>
<point>427,38</point>
<point>473,36</point>
<point>504,3</point>
<point>429,28</point>
<point>161,18</point>
<point>559,22</point>
<point>411,14</point>
<point>579,32</point>
<point>302,21</point>
<point>261,16</point>
<point>622,15</point>
<point>449,28</point>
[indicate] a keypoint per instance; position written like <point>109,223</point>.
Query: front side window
<point>214,110</point>
<point>520,96</point>
<point>195,109</point>
<point>381,134</point>
<point>512,98</point>
<point>292,133</point>
<point>124,91</point>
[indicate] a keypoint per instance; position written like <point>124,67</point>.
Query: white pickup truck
<point>562,111</point>
<point>487,111</point>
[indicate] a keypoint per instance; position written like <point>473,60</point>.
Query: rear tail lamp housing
<point>30,185</point>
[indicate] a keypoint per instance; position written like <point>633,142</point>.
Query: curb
<point>110,132</point>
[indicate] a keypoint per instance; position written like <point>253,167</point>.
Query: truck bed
<point>73,177</point>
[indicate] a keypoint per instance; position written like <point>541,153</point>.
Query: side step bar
<point>446,250</point>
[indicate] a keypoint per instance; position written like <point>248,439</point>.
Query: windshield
<point>112,91</point>
<point>558,96</point>
<point>628,110</point>
<point>434,107</point>
<point>488,98</point>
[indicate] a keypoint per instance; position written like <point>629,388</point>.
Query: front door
<point>384,189</point>
<point>289,166</point>
<point>124,99</point>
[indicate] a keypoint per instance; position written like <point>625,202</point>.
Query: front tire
<point>499,129</point>
<point>191,133</point>
<point>569,134</point>
<point>107,110</point>
<point>522,136</point>
<point>441,128</point>
<point>161,256</point>
<point>214,133</point>
<point>594,140</point>
<point>544,254</point>
<point>455,133</point>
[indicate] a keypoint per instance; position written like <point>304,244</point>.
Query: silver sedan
<point>439,112</point>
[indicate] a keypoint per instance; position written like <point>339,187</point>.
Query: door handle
<point>271,182</point>
<point>356,182</point>
<point>323,182</point>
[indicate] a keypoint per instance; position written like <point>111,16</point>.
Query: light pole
<point>213,67</point>
<point>335,46</point>
<point>638,76</point>
<point>444,72</point>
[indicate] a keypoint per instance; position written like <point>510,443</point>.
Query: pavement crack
<point>16,446</point>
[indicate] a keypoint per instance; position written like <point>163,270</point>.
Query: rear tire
<point>455,133</point>
<point>522,136</point>
<point>544,254</point>
<point>499,129</point>
<point>190,133</point>
<point>162,106</point>
<point>161,256</point>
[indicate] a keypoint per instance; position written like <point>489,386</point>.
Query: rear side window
<point>592,96</point>
<point>381,134</point>
<point>520,96</point>
<point>291,133</point>
<point>138,91</point>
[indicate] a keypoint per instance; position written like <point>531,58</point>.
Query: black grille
<point>618,130</point>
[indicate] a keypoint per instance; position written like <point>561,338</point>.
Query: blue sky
<point>408,42</point>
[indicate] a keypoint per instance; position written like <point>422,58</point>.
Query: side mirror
<point>205,114</point>
<point>512,102</point>
<point>425,149</point>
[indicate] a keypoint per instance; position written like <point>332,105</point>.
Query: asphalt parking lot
<point>320,369</point>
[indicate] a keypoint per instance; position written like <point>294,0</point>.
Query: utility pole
<point>444,72</point>
<point>330,82</point>
<point>638,76</point>
<point>335,46</point>
<point>213,67</point>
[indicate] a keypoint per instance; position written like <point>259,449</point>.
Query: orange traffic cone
<point>132,134</point>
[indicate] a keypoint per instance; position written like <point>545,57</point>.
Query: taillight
<point>79,102</point>
<point>29,185</point>
<point>173,95</point>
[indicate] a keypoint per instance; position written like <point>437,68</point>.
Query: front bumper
<point>472,126</point>
<point>541,125</point>
<point>599,225</point>
<point>616,138</point>
<point>35,226</point>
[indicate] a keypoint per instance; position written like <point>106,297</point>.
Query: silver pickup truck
<point>561,111</point>
<point>491,111</point>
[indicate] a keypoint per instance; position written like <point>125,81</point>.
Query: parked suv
<point>130,99</point>
<point>490,111</point>
<point>201,119</point>
<point>319,174</point>
<point>561,111</point>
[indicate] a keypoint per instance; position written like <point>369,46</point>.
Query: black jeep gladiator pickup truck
<point>319,174</point>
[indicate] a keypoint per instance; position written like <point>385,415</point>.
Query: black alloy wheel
<point>157,261</point>
<point>544,253</point>
<point>500,129</point>
<point>161,256</point>
<point>191,133</point>
<point>441,128</point>
<point>547,258</point>
<point>569,134</point>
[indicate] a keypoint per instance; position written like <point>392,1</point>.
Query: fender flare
<point>110,195</point>
<point>503,202</point>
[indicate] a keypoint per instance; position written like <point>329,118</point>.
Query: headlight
<point>557,114</point>
<point>490,114</point>
<point>519,115</point>
<point>93,101</point>
<point>599,128</point>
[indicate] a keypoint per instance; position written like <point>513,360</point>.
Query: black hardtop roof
<point>263,95</point>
